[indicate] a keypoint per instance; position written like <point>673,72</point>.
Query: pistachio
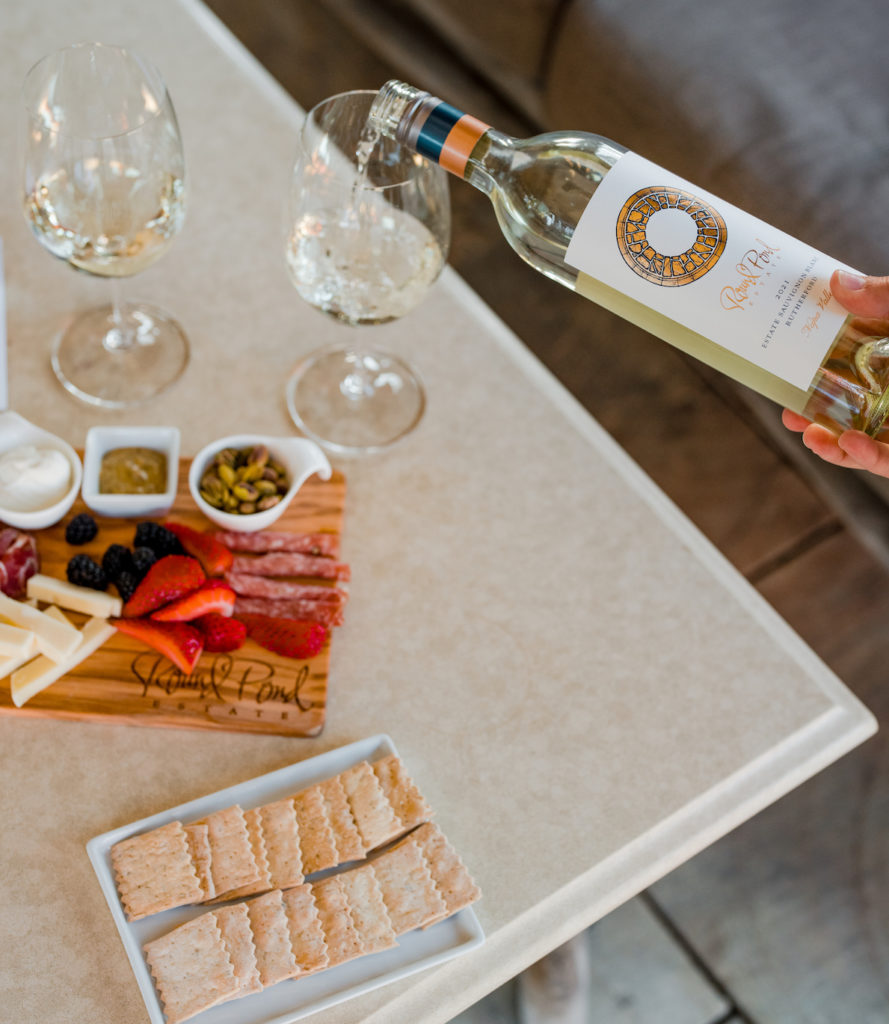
<point>259,456</point>
<point>266,486</point>
<point>268,501</point>
<point>211,499</point>
<point>252,471</point>
<point>226,473</point>
<point>213,486</point>
<point>247,508</point>
<point>245,492</point>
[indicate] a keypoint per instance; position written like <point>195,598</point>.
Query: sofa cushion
<point>504,41</point>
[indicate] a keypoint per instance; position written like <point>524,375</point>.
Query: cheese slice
<point>57,640</point>
<point>78,599</point>
<point>8,665</point>
<point>15,641</point>
<point>42,672</point>
<point>57,614</point>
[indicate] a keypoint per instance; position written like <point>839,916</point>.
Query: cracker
<point>316,839</point>
<point>198,838</point>
<point>234,926</point>
<point>257,845</point>
<point>449,873</point>
<point>306,934</point>
<point>271,936</point>
<point>232,864</point>
<point>280,834</point>
<point>402,793</point>
<point>343,941</point>
<point>349,844</point>
<point>154,871</point>
<point>407,887</point>
<point>371,810</point>
<point>192,968</point>
<point>368,909</point>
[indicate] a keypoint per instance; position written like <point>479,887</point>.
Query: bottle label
<point>711,267</point>
<point>445,135</point>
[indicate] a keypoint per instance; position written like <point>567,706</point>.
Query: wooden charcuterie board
<point>249,690</point>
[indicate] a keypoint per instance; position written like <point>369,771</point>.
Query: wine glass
<point>368,232</point>
<point>104,190</point>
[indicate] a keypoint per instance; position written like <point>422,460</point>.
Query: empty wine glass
<point>368,233</point>
<point>104,190</point>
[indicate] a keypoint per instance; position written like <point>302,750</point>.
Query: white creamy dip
<point>33,478</point>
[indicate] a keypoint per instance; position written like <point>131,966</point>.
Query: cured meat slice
<point>8,536</point>
<point>325,544</point>
<point>263,586</point>
<point>307,611</point>
<point>288,563</point>
<point>18,561</point>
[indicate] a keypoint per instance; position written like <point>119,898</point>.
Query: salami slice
<point>287,563</point>
<point>324,544</point>
<point>263,586</point>
<point>308,611</point>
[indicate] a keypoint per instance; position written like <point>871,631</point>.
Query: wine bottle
<point>722,286</point>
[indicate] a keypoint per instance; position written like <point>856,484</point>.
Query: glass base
<point>354,402</point>
<point>119,362</point>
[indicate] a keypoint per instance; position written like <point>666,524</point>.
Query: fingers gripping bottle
<point>736,293</point>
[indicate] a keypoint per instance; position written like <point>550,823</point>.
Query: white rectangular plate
<point>296,998</point>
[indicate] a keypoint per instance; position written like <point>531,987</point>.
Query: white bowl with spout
<point>301,458</point>
<point>17,432</point>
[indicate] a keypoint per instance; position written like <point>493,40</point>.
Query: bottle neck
<point>434,129</point>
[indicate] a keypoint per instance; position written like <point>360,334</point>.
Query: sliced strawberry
<point>168,579</point>
<point>214,556</point>
<point>220,632</point>
<point>290,638</point>
<point>179,642</point>
<point>210,596</point>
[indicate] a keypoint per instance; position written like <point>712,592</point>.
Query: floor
<point>786,920</point>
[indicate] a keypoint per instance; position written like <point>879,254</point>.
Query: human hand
<point>853,449</point>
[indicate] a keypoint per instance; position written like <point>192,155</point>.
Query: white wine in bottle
<point>736,293</point>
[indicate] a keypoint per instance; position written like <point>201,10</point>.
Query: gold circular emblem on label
<point>669,269</point>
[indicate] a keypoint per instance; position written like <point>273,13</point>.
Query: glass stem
<point>360,381</point>
<point>121,334</point>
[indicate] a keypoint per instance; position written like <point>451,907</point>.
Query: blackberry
<point>86,572</point>
<point>116,560</point>
<point>143,560</point>
<point>126,584</point>
<point>161,540</point>
<point>81,529</point>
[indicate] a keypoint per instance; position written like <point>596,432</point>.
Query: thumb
<point>869,454</point>
<point>863,296</point>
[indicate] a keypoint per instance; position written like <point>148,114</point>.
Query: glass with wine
<point>104,190</point>
<point>368,232</point>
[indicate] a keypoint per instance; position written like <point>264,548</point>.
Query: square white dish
<point>294,999</point>
<point>100,441</point>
